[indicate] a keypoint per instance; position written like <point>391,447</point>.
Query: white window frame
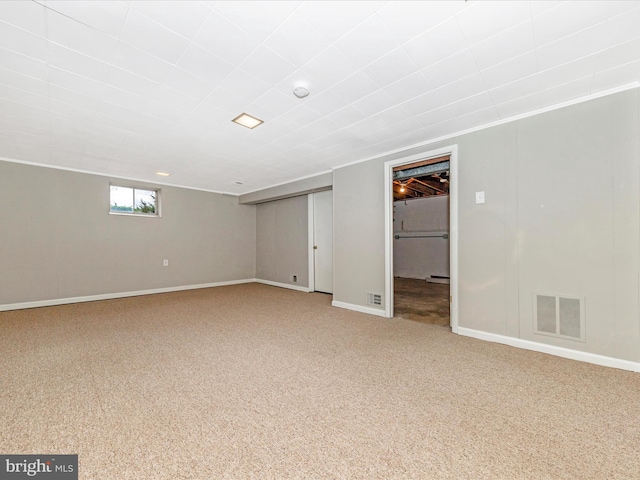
<point>156,214</point>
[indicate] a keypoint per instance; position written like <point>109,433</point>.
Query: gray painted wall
<point>561,216</point>
<point>59,241</point>
<point>282,241</point>
<point>317,183</point>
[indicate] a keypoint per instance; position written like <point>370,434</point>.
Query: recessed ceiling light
<point>163,174</point>
<point>247,120</point>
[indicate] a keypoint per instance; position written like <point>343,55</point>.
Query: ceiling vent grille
<point>374,299</point>
<point>559,316</point>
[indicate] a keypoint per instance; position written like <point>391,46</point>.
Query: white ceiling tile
<point>300,116</point>
<point>510,71</point>
<point>23,97</point>
<point>73,98</point>
<point>70,118</point>
<point>23,42</point>
<point>346,116</point>
<point>141,63</point>
<point>374,103</point>
<point>23,82</point>
<point>224,39</point>
<point>622,28</point>
<point>518,106</point>
<point>176,100</point>
<point>329,67</point>
<point>566,72</point>
<point>571,48</point>
<point>130,82</point>
<point>307,44</point>
<point>618,55</point>
<point>567,18</point>
<point>514,90</point>
<point>125,115</point>
<point>434,117</point>
<point>408,19</point>
<point>272,104</point>
<point>267,65</point>
<point>615,77</point>
<point>572,90</point>
<point>70,81</point>
<point>153,38</point>
<point>188,84</point>
<point>104,16</point>
<point>466,87</point>
<point>423,103</point>
<point>471,120</point>
<point>71,61</point>
<point>451,69</point>
<point>355,87</point>
<point>165,112</point>
<point>184,18</point>
<point>205,65</point>
<point>257,18</point>
<point>390,68</point>
<point>227,100</point>
<point>538,8</point>
<point>11,60</point>
<point>325,103</point>
<point>471,104</point>
<point>371,33</point>
<point>124,98</point>
<point>244,85</point>
<point>442,41</point>
<point>81,38</point>
<point>408,88</point>
<point>322,16</point>
<point>28,16</point>
<point>504,46</point>
<point>486,19</point>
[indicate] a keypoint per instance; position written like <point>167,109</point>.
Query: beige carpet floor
<point>257,382</point>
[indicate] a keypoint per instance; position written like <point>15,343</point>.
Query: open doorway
<point>421,241</point>
<point>421,237</point>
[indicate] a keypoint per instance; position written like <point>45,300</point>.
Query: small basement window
<point>133,201</point>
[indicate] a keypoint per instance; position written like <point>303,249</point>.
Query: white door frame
<point>452,151</point>
<point>311,229</point>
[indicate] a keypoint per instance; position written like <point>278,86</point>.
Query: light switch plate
<point>479,197</point>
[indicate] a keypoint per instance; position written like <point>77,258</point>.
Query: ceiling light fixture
<point>402,189</point>
<point>247,120</point>
<point>163,174</point>
<point>301,90</point>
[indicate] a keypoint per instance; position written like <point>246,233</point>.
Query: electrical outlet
<point>295,278</point>
<point>165,263</point>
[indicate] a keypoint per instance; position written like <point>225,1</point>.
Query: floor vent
<point>374,299</point>
<point>559,316</point>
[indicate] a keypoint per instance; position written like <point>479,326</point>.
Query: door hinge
<point>315,247</point>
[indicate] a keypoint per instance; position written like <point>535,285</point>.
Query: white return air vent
<point>374,299</point>
<point>559,316</point>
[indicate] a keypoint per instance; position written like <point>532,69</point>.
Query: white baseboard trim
<point>110,296</point>
<point>552,350</point>
<point>282,285</point>
<point>359,308</point>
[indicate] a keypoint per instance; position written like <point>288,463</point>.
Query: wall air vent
<point>374,299</point>
<point>559,316</point>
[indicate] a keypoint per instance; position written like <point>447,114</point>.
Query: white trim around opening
<point>452,151</point>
